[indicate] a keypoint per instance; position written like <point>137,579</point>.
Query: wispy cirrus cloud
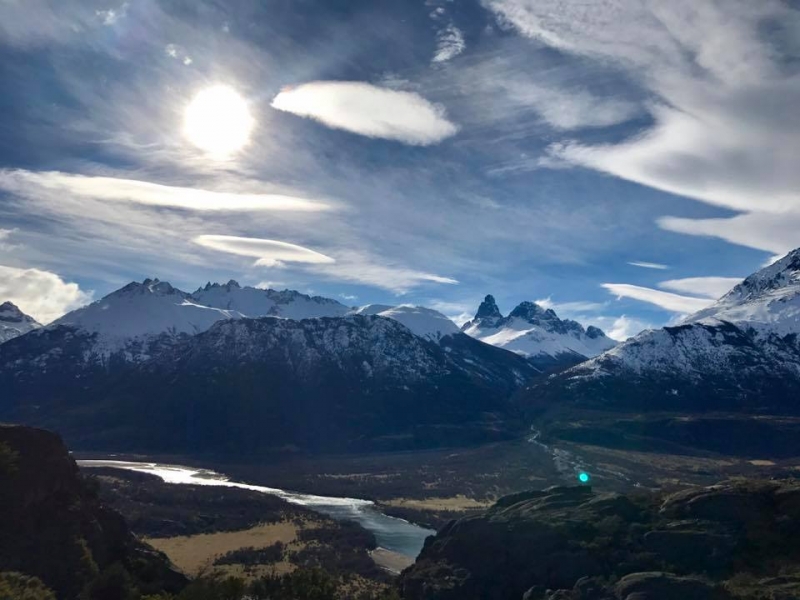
<point>723,95</point>
<point>566,108</point>
<point>648,265</point>
<point>449,44</point>
<point>709,287</point>
<point>667,300</point>
<point>386,273</point>
<point>368,110</point>
<point>571,308</point>
<point>347,265</point>
<point>40,294</point>
<point>143,192</point>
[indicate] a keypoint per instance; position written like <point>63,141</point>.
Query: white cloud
<point>723,101</point>
<point>570,307</point>
<point>112,15</point>
<point>40,294</point>
<point>771,232</point>
<point>648,265</point>
<point>385,273</point>
<point>449,44</point>
<point>368,110</point>
<point>625,327</point>
<point>710,287</point>
<point>666,300</point>
<point>113,189</point>
<point>270,253</point>
<point>4,235</point>
<point>458,312</point>
<point>566,109</point>
<point>270,285</point>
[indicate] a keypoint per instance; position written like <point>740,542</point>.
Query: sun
<point>218,121</point>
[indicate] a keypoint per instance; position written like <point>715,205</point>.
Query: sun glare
<point>218,121</point>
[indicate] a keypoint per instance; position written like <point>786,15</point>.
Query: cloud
<point>710,287</point>
<point>387,274</point>
<point>270,253</point>
<point>40,294</point>
<point>666,300</point>
<point>723,95</point>
<point>625,327</point>
<point>113,189</point>
<point>648,265</point>
<point>570,307</point>
<point>368,110</point>
<point>566,108</point>
<point>449,44</point>
<point>4,235</point>
<point>112,16</point>
<point>270,285</point>
<point>771,232</point>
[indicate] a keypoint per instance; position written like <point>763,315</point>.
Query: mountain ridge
<point>537,332</point>
<point>14,322</point>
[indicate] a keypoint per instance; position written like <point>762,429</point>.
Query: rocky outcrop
<point>733,540</point>
<point>53,527</point>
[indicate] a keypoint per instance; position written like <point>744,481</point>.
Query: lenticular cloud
<point>368,110</point>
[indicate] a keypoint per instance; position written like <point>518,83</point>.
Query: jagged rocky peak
<point>148,286</point>
<point>488,309</point>
<point>768,298</point>
<point>14,322</point>
<point>535,331</point>
<point>231,285</point>
<point>533,313</point>
<point>10,313</point>
<point>780,274</point>
<point>594,332</point>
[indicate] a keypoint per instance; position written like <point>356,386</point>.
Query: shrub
<point>16,586</point>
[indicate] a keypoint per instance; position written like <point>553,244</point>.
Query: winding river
<point>391,533</point>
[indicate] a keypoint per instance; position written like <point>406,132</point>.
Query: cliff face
<point>53,527</point>
<point>734,540</point>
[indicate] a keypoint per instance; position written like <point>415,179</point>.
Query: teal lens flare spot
<point>583,477</point>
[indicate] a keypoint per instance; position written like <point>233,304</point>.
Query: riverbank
<point>208,529</point>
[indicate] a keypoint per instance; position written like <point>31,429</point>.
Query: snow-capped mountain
<point>14,322</point>
<point>256,302</point>
<point>251,385</point>
<point>134,321</point>
<point>140,312</point>
<point>424,322</point>
<point>743,352</point>
<point>536,332</point>
<point>767,301</point>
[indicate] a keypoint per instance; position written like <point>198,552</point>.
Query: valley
<point>264,444</point>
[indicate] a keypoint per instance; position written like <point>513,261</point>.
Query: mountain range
<point>537,332</point>
<point>734,367</point>
<point>152,367</point>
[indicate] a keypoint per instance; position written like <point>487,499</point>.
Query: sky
<point>624,162</point>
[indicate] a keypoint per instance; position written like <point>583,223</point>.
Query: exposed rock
<point>575,544</point>
<point>53,527</point>
<point>666,586</point>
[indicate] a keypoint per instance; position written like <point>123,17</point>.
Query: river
<point>391,533</point>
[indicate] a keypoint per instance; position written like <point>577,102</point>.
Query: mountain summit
<point>538,333</point>
<point>768,300</point>
<point>14,322</point>
<point>740,357</point>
